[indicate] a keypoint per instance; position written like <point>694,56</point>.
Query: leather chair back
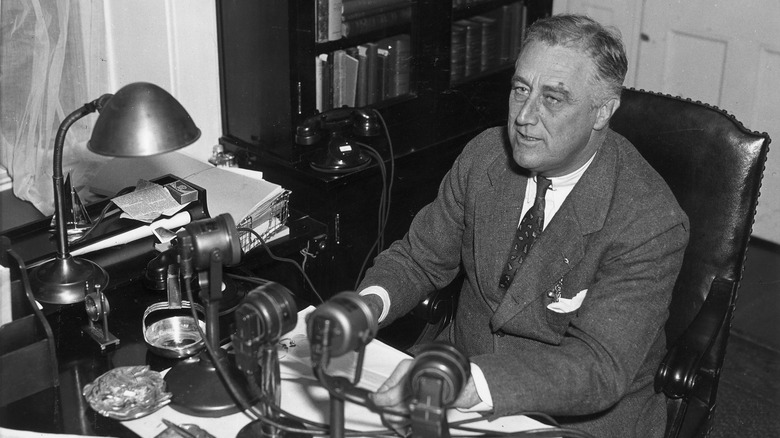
<point>714,166</point>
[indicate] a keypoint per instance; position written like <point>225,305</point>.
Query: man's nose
<point>529,112</point>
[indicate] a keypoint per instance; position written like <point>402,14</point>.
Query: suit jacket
<point>619,238</point>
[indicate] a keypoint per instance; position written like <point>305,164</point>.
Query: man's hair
<point>603,44</point>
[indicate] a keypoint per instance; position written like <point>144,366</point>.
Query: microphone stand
<point>339,388</point>
<point>429,416</point>
<point>196,385</point>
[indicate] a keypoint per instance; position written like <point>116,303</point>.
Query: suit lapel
<point>497,216</point>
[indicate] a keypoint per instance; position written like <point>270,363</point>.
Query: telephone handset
<point>364,123</point>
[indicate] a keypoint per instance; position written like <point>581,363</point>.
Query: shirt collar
<point>570,179</point>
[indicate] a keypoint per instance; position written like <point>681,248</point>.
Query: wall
<point>172,44</point>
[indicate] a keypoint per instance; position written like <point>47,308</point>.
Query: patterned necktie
<point>530,227</point>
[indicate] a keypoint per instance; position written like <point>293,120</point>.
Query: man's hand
<point>396,395</point>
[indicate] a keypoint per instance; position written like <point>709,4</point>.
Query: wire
<point>103,215</point>
<point>385,201</point>
<point>273,256</point>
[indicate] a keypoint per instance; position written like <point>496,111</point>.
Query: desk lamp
<point>141,119</point>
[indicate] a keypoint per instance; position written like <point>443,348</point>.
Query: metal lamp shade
<point>142,119</point>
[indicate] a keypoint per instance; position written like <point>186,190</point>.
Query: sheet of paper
<point>147,202</point>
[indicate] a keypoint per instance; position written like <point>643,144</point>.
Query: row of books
<point>364,74</point>
<point>336,19</point>
<point>487,41</point>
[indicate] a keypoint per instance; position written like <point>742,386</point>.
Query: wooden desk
<point>62,409</point>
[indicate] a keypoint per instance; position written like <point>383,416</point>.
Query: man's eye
<point>552,99</point>
<point>521,91</point>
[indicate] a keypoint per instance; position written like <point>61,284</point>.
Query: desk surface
<point>62,409</point>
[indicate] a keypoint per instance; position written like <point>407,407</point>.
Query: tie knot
<point>542,184</point>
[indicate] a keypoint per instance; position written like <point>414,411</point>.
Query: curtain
<point>52,62</point>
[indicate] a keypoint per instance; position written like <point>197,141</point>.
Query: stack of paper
<point>252,202</point>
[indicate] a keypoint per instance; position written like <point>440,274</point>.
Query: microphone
<point>342,324</point>
<point>198,240</point>
<point>266,314</point>
<point>437,377</point>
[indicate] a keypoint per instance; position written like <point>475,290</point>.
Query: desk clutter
<point>280,371</point>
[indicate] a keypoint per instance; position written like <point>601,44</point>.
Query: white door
<point>725,54</point>
<point>625,15</point>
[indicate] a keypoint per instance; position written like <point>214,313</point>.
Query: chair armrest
<point>687,360</point>
<point>437,310</point>
<point>438,307</point>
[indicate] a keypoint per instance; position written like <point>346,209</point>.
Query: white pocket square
<point>567,305</point>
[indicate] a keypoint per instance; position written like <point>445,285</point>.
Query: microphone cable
<point>385,201</point>
<point>273,256</point>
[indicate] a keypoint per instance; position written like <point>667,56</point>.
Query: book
<point>489,55</point>
<point>504,15</point>
<point>473,47</point>
<point>373,72</point>
<point>337,77</point>
<point>321,20</point>
<point>361,95</point>
<point>357,6</point>
<point>397,65</point>
<point>359,26</point>
<point>403,65</point>
<point>320,64</point>
<point>515,33</point>
<point>382,56</point>
<point>379,9</point>
<point>334,20</point>
<point>457,53</point>
<point>345,70</point>
<point>349,86</point>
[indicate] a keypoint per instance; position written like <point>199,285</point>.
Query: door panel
<point>625,15</point>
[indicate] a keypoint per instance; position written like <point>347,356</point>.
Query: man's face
<point>552,109</point>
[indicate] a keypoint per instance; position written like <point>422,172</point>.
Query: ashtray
<point>127,393</point>
<point>172,331</point>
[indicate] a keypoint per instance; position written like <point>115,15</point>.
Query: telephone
<point>341,154</point>
<point>364,123</point>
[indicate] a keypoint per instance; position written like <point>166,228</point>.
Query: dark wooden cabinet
<point>269,85</point>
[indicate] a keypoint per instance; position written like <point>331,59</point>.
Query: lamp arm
<point>57,175</point>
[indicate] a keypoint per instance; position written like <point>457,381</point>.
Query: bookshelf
<point>270,82</point>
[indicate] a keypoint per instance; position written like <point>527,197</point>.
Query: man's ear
<point>605,112</point>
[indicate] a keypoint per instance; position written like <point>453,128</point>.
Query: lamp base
<point>198,389</point>
<point>64,280</point>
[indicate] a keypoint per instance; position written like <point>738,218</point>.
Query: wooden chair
<point>714,166</point>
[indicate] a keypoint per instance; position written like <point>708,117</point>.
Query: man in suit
<point>575,328</point>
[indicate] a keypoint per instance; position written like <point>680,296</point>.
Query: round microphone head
<point>276,310</point>
<point>351,324</point>
<point>442,361</point>
<point>208,235</point>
